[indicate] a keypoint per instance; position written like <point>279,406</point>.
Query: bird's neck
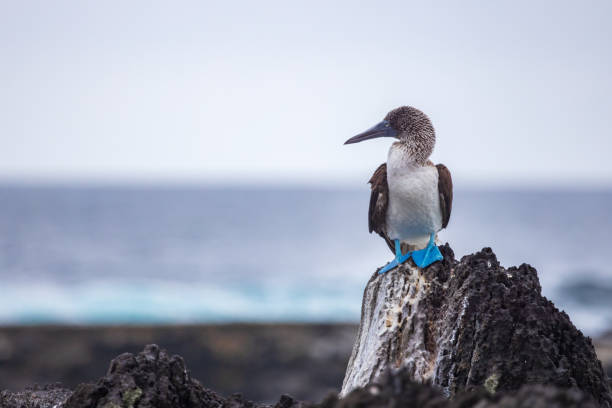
<point>403,158</point>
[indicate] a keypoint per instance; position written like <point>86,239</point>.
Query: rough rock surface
<point>47,396</point>
<point>149,379</point>
<point>460,325</point>
<point>154,379</point>
<point>396,389</point>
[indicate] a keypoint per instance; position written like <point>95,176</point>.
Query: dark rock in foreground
<point>48,396</point>
<point>398,390</point>
<point>154,379</point>
<point>151,379</point>
<point>307,361</point>
<point>461,325</point>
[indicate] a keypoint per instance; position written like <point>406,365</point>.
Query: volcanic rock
<point>463,325</point>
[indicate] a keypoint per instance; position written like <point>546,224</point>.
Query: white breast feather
<point>413,212</point>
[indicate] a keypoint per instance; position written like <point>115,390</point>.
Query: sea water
<point>98,255</point>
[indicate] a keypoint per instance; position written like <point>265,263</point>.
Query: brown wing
<point>445,190</point>
<point>379,199</point>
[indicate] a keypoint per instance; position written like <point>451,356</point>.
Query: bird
<point>411,198</point>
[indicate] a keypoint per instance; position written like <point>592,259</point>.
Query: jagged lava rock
<point>153,379</point>
<point>460,325</point>
<point>397,389</point>
<point>47,396</point>
<point>150,379</point>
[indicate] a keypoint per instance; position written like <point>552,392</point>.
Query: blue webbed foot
<point>389,266</point>
<point>422,258</point>
<point>406,257</point>
<point>399,259</point>
<point>425,257</point>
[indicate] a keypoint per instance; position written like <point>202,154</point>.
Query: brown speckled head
<point>414,130</point>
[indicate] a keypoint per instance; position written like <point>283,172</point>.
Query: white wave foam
<point>168,302</point>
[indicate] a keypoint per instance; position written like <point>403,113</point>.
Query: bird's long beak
<point>382,129</point>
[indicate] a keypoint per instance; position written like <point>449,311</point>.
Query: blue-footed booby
<point>411,198</point>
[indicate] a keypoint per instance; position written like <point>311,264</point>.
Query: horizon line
<point>465,184</point>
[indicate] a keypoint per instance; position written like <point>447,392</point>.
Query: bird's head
<point>411,126</point>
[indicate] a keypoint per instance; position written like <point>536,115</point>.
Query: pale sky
<point>518,91</point>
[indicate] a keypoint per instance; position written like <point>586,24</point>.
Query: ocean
<point>142,255</point>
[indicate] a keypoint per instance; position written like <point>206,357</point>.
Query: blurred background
<point>174,172</point>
